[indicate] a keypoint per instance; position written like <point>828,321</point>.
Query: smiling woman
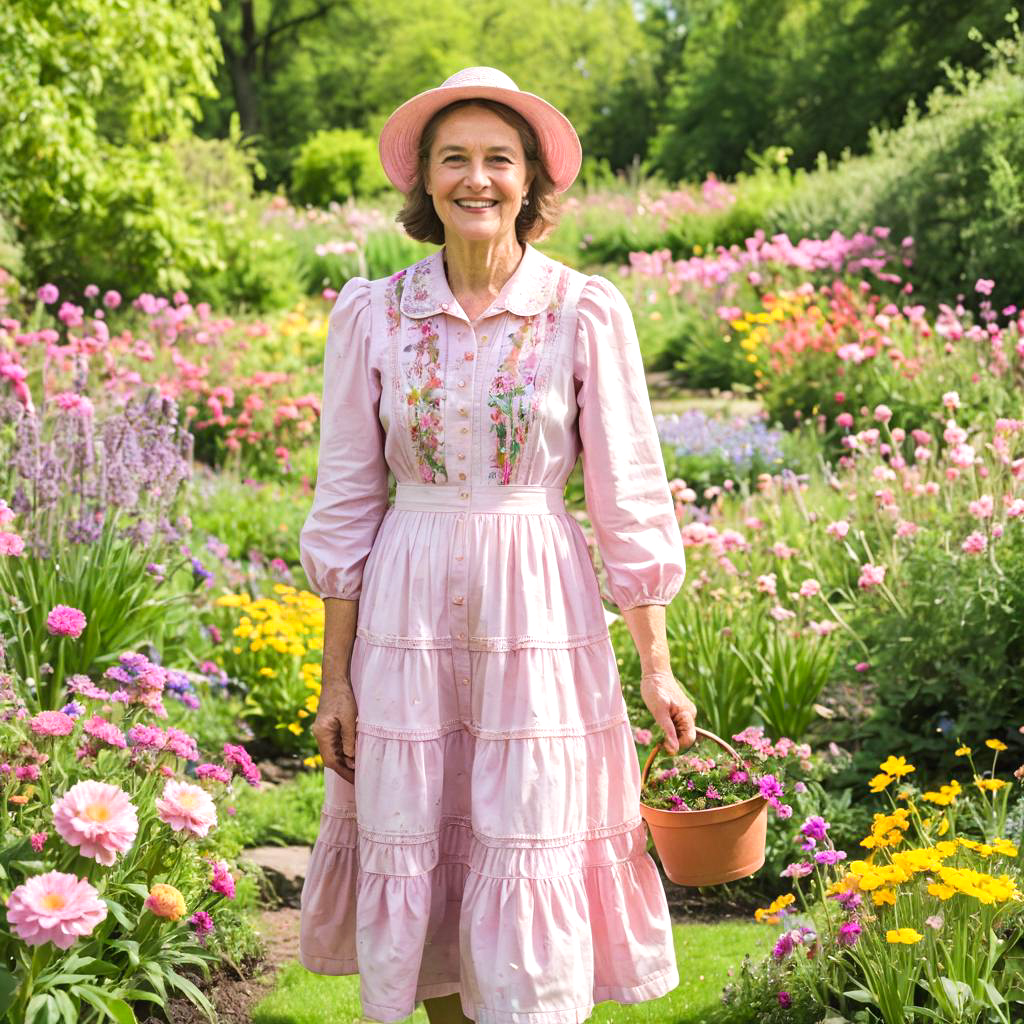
<point>513,148</point>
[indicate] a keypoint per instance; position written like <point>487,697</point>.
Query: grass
<point>705,953</point>
<point>283,815</point>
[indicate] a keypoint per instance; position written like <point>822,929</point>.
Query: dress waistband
<point>515,498</point>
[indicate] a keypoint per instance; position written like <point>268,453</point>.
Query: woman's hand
<point>671,708</point>
<point>334,728</point>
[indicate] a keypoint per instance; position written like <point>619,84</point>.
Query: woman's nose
<point>476,174</point>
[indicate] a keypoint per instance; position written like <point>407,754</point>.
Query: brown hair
<point>534,222</point>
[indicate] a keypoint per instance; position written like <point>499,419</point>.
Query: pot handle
<point>700,732</point>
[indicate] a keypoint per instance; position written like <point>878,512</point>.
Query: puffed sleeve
<point>351,494</point>
<point>626,488</point>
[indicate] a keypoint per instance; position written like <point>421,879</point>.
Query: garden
<point>836,373</point>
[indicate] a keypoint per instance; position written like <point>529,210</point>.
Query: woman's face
<point>477,175</point>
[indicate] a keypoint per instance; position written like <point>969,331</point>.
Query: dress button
<point>462,636</point>
<point>458,558</point>
<point>465,679</point>
<point>462,476</point>
<point>458,599</point>
<point>462,383</point>
<point>444,306</point>
<point>463,494</point>
<point>464,411</point>
<point>465,430</point>
<point>469,357</point>
<point>462,455</point>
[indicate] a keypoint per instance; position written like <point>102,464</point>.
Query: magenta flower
<point>849,933</point>
<point>98,818</point>
<point>105,732</point>
<point>830,856</point>
<point>51,723</point>
<point>216,772</point>
<point>838,530</point>
<point>785,1000</point>
<point>202,924</point>
<point>64,620</point>
<point>984,286</point>
<point>239,757</point>
<point>784,946</point>
<point>223,882</point>
<point>798,869</point>
<point>769,787</point>
<point>55,907</point>
<point>38,840</point>
<point>48,294</point>
<point>814,827</point>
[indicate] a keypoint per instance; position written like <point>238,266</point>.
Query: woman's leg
<point>446,1010</point>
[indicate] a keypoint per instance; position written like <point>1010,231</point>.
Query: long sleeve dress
<point>492,844</point>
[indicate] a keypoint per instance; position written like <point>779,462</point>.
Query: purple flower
<point>48,294</point>
<point>814,827</point>
<point>239,757</point>
<point>200,574</point>
<point>784,946</point>
<point>830,856</point>
<point>849,900</point>
<point>769,787</point>
<point>849,933</point>
<point>713,793</point>
<point>73,709</point>
<point>785,1000</point>
<point>202,923</point>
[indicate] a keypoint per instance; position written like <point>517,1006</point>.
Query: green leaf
<point>42,1009</point>
<point>193,994</point>
<point>120,914</point>
<point>116,1009</point>
<point>8,986</point>
<point>861,995</point>
<point>996,998</point>
<point>68,1010</point>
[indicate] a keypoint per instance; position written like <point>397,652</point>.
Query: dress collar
<point>526,293</point>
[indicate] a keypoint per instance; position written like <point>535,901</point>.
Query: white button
<point>462,636</point>
<point>462,476</point>
<point>462,455</point>
<point>444,305</point>
<point>458,599</point>
<point>465,679</point>
<point>465,430</point>
<point>463,494</point>
<point>462,383</point>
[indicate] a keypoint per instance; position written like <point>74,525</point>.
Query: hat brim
<point>399,141</point>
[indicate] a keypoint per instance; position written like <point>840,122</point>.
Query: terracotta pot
<point>712,846</point>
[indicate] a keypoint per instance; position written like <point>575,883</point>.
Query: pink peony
<point>871,576</point>
<point>11,543</point>
<point>186,807</point>
<point>883,413</point>
<point>55,907</point>
<point>839,529</point>
<point>642,736</point>
<point>64,620</point>
<point>982,508</point>
<point>105,732</point>
<point>98,818</point>
<point>51,723</point>
<point>975,544</point>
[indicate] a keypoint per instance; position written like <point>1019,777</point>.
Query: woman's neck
<point>477,271</point>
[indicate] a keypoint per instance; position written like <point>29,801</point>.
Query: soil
<point>233,993</point>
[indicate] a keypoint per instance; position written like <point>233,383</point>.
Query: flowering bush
<point>110,870</point>
<point>692,782</point>
<point>927,922</point>
<point>275,658</point>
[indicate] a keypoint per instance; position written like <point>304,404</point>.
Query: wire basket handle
<point>700,732</point>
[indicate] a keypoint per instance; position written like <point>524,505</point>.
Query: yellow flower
<point>1005,848</point>
<point>990,784</point>
<point>943,826</point>
<point>943,892</point>
<point>166,901</point>
<point>896,766</point>
<point>962,752</point>
<point>879,782</point>
<point>295,727</point>
<point>996,745</point>
<point>905,935</point>
<point>880,896</point>
<point>313,761</point>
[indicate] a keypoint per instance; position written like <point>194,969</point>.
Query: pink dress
<point>492,843</point>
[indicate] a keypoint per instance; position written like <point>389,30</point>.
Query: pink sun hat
<point>560,147</point>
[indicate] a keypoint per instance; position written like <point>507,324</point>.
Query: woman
<point>481,847</point>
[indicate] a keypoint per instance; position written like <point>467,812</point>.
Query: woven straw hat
<point>560,148</point>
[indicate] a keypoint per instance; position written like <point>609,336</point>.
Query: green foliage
<point>335,165</point>
<point>85,175</point>
<point>950,177</point>
<point>948,664</point>
<point>755,74</point>
<point>287,814</point>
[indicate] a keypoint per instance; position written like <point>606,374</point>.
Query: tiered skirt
<point>492,844</point>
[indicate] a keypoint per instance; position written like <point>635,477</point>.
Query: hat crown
<point>491,77</point>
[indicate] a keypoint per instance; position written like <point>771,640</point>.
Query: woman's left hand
<point>671,708</point>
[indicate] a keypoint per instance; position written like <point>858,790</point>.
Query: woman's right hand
<point>334,728</point>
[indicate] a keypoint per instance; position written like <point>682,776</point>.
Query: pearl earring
<point>526,201</point>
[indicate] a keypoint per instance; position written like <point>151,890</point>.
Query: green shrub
<point>951,178</point>
<point>336,164</point>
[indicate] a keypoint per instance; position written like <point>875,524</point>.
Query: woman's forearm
<point>339,636</point>
<point>646,625</point>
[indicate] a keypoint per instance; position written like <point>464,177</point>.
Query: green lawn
<point>705,953</point>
